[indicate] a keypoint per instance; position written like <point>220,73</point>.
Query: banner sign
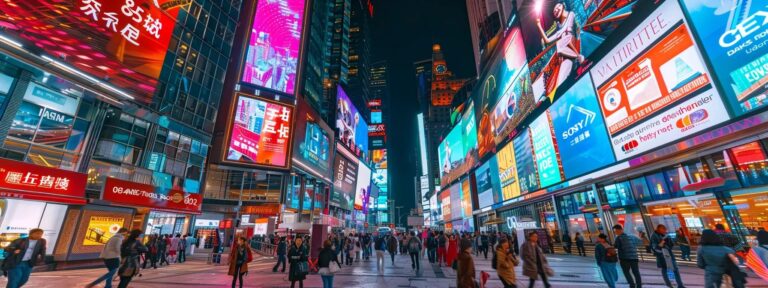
<point>137,194</point>
<point>29,181</point>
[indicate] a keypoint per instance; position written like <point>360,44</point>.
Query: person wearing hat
<point>465,272</point>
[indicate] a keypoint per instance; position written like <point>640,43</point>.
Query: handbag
<point>333,267</point>
<point>302,267</point>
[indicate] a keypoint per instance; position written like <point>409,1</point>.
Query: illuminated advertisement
<point>507,172</point>
<point>456,208</point>
<point>445,204</point>
<point>313,149</point>
<point>376,117</point>
<point>732,35</point>
<point>466,199</point>
<point>260,133</point>
<point>485,96</point>
<point>362,186</point>
<point>544,149</point>
<point>122,43</point>
<point>273,48</point>
<point>559,36</point>
<point>658,94</point>
<point>101,228</point>
<point>353,131</point>
<point>458,151</point>
<point>582,140</point>
<point>345,176</point>
<point>488,186</point>
<point>526,169</point>
<point>435,209</point>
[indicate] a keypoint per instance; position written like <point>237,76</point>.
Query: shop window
<point>25,122</point>
<point>658,187</point>
<point>676,180</point>
<point>618,195</point>
<point>44,156</point>
<point>724,168</point>
<point>751,164</point>
<point>77,137</point>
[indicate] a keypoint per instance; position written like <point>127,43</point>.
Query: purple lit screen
<point>273,49</point>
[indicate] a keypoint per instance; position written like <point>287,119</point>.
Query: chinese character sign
<point>122,42</point>
<point>261,133</point>
<point>273,49</point>
<point>29,179</point>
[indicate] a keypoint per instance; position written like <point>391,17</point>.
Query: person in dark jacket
<point>606,264</point>
<point>324,260</point>
<point>129,252</point>
<point>626,247</point>
<point>432,247</point>
<point>580,244</point>
<point>281,250</point>
<point>661,245</point>
<point>392,247</point>
<point>238,260</point>
<point>297,256</point>
<point>535,263</point>
<point>713,256</point>
<point>23,254</point>
<point>685,246</point>
<point>162,250</point>
<point>567,244</point>
<point>465,273</point>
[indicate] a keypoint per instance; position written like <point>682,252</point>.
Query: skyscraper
<point>487,19</point>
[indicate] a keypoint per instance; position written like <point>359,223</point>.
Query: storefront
<point>539,215</point>
<point>579,213</point>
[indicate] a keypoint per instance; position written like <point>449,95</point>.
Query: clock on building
<point>440,69</point>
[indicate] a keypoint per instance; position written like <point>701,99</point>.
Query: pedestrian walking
<point>442,243</point>
<point>484,244</point>
<point>402,242</point>
<point>452,250</point>
<point>151,255</point>
<point>465,272</point>
<point>535,264</point>
<point>358,249</point>
<point>414,249</point>
<point>21,255</point>
<point>328,264</point>
<point>626,247</point>
<point>173,246</point>
<point>381,248</point>
<point>729,240</point>
<point>567,243</point>
<point>365,241</point>
<point>661,245</point>
<point>162,250</point>
<point>349,248</point>
<point>191,243</point>
<point>392,247</point>
<point>505,262</point>
<point>715,258</point>
<point>580,244</point>
<point>298,269</point>
<point>432,247</point>
<point>182,249</point>
<point>239,258</point>
<point>282,249</point>
<point>129,252</point>
<point>110,254</point>
<point>607,257</point>
<point>685,246</point>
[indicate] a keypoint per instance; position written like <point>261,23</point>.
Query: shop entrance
<point>693,214</point>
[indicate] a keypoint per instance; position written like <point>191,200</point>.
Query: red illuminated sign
<point>377,130</point>
<point>29,181</point>
<point>137,194</point>
<point>260,133</point>
<point>374,103</point>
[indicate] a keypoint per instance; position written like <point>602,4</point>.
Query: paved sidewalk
<point>571,271</point>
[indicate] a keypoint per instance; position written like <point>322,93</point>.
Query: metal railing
<point>264,248</point>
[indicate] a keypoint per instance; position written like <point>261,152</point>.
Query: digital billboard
<point>507,172</point>
<point>435,209</point>
<point>515,104</point>
<point>362,186</point>
<point>658,91</point>
<point>260,133</point>
<point>458,151</point>
<point>376,117</point>
<point>488,185</point>
<point>545,151</point>
<point>582,140</point>
<point>445,204</point>
<point>313,148</point>
<point>526,169</point>
<point>466,198</point>
<point>272,56</point>
<point>345,178</point>
<point>560,36</point>
<point>379,158</point>
<point>732,37</point>
<point>456,209</point>
<point>121,43</point>
<point>353,130</point>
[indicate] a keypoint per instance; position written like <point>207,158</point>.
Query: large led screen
<point>456,209</point>
<point>344,184</point>
<point>732,35</point>
<point>445,205</point>
<point>507,172</point>
<point>526,169</point>
<point>273,48</point>
<point>544,148</point>
<point>561,35</point>
<point>313,147</point>
<point>353,130</point>
<point>466,198</point>
<point>659,90</point>
<point>260,133</point>
<point>122,43</point>
<point>435,209</point>
<point>488,186</point>
<point>458,151</point>
<point>582,140</point>
<point>362,186</point>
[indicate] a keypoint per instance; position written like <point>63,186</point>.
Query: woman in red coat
<point>452,250</point>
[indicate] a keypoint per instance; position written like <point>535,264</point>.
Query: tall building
<point>359,75</point>
<point>316,71</point>
<point>487,18</point>
<point>121,112</point>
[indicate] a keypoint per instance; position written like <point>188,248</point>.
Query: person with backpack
<point>504,262</point>
<point>392,247</point>
<point>129,252</point>
<point>626,246</point>
<point>607,257</point>
<point>661,245</point>
<point>414,249</point>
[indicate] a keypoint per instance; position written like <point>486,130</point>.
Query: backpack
<point>611,255</point>
<point>413,246</point>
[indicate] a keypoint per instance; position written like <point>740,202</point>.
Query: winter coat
<point>505,265</point>
<point>392,245</point>
<point>713,259</point>
<point>528,253</point>
<point>465,274</point>
<point>295,256</point>
<point>626,246</point>
<point>234,257</point>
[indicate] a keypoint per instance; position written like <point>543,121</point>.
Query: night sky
<point>403,33</point>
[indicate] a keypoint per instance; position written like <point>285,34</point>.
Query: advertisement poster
<point>488,186</point>
<point>435,209</point>
<point>273,48</point>
<point>582,140</point>
<point>353,131</point>
<point>732,35</point>
<point>345,176</point>
<point>456,208</point>
<point>559,37</point>
<point>362,186</point>
<point>545,151</point>
<point>458,151</point>
<point>261,133</point>
<point>130,193</point>
<point>469,135</point>
<point>314,142</point>
<point>466,199</point>
<point>526,169</point>
<point>120,41</point>
<point>101,228</point>
<point>484,97</point>
<point>654,96</point>
<point>507,172</point>
<point>515,104</point>
<point>445,205</point>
